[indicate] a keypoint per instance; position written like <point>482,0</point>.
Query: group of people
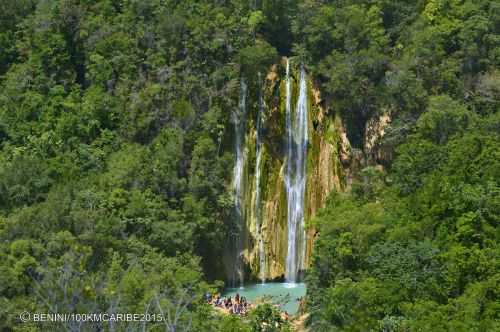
<point>237,305</point>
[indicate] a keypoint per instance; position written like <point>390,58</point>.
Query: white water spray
<point>239,117</point>
<point>295,178</point>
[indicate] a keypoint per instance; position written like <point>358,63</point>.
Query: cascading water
<point>239,119</point>
<point>257,206</point>
<point>295,177</point>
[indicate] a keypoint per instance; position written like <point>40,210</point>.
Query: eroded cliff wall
<point>325,171</point>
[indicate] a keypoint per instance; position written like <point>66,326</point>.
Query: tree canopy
<point>115,150</point>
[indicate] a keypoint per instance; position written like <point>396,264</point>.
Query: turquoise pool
<point>284,294</point>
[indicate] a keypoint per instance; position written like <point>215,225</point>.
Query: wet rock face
<point>331,165</point>
<point>328,159</point>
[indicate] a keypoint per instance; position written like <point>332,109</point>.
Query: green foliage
<point>257,58</point>
<point>114,157</point>
<point>373,56</point>
<point>416,248</point>
<point>113,117</point>
<point>444,118</point>
<point>266,318</point>
<point>432,250</point>
<point>231,323</point>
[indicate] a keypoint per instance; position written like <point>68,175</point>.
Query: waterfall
<point>239,117</point>
<point>295,177</point>
<point>257,206</point>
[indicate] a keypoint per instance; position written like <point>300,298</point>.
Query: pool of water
<point>284,294</point>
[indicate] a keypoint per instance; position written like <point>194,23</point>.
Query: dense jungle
<point>156,152</point>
